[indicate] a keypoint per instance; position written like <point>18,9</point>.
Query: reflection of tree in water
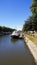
<point>14,40</point>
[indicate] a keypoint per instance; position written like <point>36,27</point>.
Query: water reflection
<point>14,52</point>
<point>13,40</point>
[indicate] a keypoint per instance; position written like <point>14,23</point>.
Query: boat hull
<point>15,36</point>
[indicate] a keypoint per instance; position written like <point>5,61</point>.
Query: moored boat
<point>15,34</point>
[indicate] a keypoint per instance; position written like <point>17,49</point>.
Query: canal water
<point>14,52</point>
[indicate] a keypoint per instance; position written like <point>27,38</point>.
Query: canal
<point>14,52</point>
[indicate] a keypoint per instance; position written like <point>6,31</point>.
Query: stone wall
<point>32,47</point>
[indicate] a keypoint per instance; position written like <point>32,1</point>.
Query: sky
<point>13,13</point>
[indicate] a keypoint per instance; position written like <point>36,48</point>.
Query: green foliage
<point>0,28</point>
<point>34,6</point>
<point>6,29</point>
<point>31,23</point>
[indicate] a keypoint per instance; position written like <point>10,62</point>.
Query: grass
<point>32,37</point>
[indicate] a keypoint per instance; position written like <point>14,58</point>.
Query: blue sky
<point>14,12</point>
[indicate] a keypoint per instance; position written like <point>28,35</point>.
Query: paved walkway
<point>32,47</point>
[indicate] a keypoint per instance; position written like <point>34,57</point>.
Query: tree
<point>31,23</point>
<point>34,9</point>
<point>6,29</point>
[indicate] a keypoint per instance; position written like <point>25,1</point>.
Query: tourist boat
<point>15,34</point>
